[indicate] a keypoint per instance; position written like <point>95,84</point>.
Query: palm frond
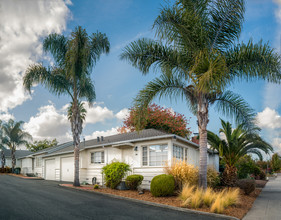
<point>234,106</point>
<point>99,45</point>
<point>184,24</point>
<point>53,79</point>
<point>226,21</point>
<point>253,61</point>
<point>87,90</point>
<point>56,44</point>
<point>165,86</point>
<point>145,53</point>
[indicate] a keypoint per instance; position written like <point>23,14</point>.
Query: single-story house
<point>147,152</point>
<point>18,154</point>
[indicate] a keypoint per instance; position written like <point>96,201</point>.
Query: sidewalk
<point>268,204</point>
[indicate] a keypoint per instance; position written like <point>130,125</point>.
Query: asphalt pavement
<point>41,199</point>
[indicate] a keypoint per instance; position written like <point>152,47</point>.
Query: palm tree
<point>2,146</point>
<point>14,137</point>
<point>198,58</point>
<point>236,144</point>
<point>74,59</point>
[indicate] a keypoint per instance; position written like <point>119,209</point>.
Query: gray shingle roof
<point>108,140</point>
<point>18,153</point>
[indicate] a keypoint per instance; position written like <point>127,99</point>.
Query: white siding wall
<point>89,170</point>
<point>26,166</point>
<point>9,163</point>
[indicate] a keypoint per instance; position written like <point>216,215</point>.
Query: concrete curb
<point>28,178</point>
<point>156,204</point>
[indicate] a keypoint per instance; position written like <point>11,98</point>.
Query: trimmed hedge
<point>114,173</point>
<point>133,181</point>
<point>162,185</point>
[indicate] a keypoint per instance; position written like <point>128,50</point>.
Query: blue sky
<point>116,82</point>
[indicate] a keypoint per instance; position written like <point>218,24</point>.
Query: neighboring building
<point>147,152</point>
<point>18,154</point>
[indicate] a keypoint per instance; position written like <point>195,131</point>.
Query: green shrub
<point>247,185</point>
<point>246,166</point>
<point>114,173</point>
<point>133,181</point>
<point>162,185</point>
<point>276,162</point>
<point>96,186</point>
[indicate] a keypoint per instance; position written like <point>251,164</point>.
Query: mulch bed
<point>238,211</point>
<point>24,177</point>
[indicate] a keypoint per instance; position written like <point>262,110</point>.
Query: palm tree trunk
<point>229,176</point>
<point>13,150</point>
<point>76,140</point>
<point>3,159</point>
<point>202,117</point>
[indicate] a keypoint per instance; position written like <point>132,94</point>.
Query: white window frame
<point>93,157</point>
<point>148,162</point>
<point>184,150</point>
<point>38,161</point>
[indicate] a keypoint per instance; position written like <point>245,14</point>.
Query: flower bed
<point>238,211</point>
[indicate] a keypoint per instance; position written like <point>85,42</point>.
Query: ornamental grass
<point>196,197</point>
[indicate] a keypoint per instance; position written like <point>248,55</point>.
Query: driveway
<point>40,199</point>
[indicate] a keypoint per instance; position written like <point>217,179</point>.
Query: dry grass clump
<point>186,192</point>
<point>196,200</point>
<point>218,205</point>
<point>216,201</point>
<point>183,173</point>
<point>208,197</point>
<point>231,197</point>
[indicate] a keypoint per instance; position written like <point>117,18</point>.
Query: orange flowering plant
<point>159,118</point>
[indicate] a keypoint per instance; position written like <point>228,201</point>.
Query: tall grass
<point>217,201</point>
<point>186,192</point>
<point>183,173</point>
<point>197,198</point>
<point>208,197</point>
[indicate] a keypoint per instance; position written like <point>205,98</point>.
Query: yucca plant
<point>237,143</point>
<point>198,56</point>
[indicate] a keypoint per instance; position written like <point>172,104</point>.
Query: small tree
<point>158,118</point>
<point>275,162</point>
<point>40,145</point>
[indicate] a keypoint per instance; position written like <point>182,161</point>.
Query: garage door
<point>50,169</point>
<point>67,169</point>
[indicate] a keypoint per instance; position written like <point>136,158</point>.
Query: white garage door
<point>67,169</point>
<point>50,169</point>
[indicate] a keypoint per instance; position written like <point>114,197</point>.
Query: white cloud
<point>269,119</point>
<point>96,134</point>
<point>23,24</point>
<point>6,117</point>
<point>124,113</point>
<point>49,123</point>
<point>97,113</point>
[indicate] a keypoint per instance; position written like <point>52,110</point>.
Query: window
<point>157,154</point>
<point>144,156</point>
<point>180,153</point>
<point>97,157</point>
<point>38,161</point>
